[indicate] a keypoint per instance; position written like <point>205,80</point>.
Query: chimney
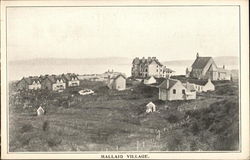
<point>167,83</point>
<point>223,66</point>
<point>153,58</point>
<point>197,55</point>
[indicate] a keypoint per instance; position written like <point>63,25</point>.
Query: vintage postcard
<point>124,80</point>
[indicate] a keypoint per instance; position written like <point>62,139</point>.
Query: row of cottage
<point>114,80</point>
<point>50,82</point>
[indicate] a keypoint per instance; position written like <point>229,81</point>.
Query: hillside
<point>225,60</point>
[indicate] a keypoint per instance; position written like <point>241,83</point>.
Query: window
<point>156,70</point>
<point>183,91</point>
<point>174,91</point>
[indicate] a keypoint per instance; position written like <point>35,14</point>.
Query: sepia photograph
<point>124,81</point>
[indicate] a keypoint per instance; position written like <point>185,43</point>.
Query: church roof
<point>200,62</point>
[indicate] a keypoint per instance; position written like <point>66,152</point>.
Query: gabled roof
<point>168,83</point>
<point>150,104</point>
<point>156,61</point>
<point>198,82</point>
<point>160,80</point>
<point>117,76</point>
<point>69,76</point>
<point>168,70</point>
<point>200,62</point>
<point>54,78</point>
<point>146,61</point>
<point>30,80</point>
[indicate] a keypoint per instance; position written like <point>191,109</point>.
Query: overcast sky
<point>169,33</point>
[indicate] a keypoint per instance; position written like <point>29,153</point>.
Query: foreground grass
<point>116,120</point>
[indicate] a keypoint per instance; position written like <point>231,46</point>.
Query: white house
<point>150,107</point>
<point>117,82</point>
<point>172,89</point>
<point>200,85</point>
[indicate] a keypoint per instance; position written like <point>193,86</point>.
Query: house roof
<point>168,70</point>
<point>69,76</point>
<point>30,80</point>
<point>222,70</point>
<point>168,83</point>
<point>160,80</point>
<point>200,62</point>
<point>54,78</point>
<point>146,61</point>
<point>150,104</point>
<point>198,82</point>
<point>117,76</point>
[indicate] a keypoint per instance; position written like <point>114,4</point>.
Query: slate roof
<point>168,70</point>
<point>54,78</point>
<point>200,62</point>
<point>69,76</point>
<point>160,80</point>
<point>198,82</point>
<point>168,83</point>
<point>117,76</point>
<point>30,80</point>
<point>146,61</point>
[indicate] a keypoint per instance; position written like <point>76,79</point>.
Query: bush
<point>54,141</point>
<point>26,128</point>
<point>45,126</point>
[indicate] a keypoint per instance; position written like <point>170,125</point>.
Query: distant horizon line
<point>28,59</point>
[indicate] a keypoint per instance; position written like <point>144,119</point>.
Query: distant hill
<point>86,61</point>
<point>224,60</point>
<point>227,60</point>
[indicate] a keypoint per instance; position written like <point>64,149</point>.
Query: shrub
<point>54,141</point>
<point>26,128</point>
<point>45,126</point>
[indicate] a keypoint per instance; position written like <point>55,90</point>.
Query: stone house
<point>117,82</point>
<point>142,68</point>
<point>205,68</point>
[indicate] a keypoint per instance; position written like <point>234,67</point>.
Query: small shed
<point>150,107</point>
<point>40,111</point>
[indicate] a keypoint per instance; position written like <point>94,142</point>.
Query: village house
<point>117,82</point>
<point>224,74</point>
<point>199,85</point>
<point>149,80</point>
<point>172,89</point>
<point>142,68</point>
<point>54,83</point>
<point>205,68</point>
<point>71,79</point>
<point>32,83</point>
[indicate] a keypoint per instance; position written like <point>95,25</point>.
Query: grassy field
<point>116,120</point>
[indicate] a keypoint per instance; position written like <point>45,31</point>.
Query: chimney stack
<point>197,55</point>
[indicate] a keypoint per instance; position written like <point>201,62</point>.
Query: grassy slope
<point>110,119</point>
